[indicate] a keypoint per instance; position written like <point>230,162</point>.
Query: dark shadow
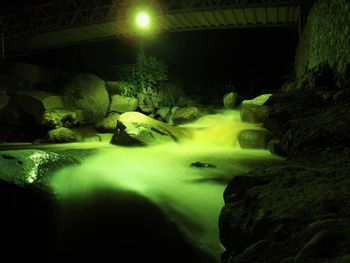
<point>123,226</point>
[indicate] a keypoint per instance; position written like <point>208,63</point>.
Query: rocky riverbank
<point>297,211</point>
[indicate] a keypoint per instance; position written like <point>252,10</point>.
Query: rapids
<point>147,204</point>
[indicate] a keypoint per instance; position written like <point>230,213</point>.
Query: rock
<point>61,135</point>
<point>25,167</point>
<point>37,102</point>
<point>254,110</point>
<point>134,128</point>
<point>87,92</point>
<point>294,206</point>
<point>119,87</point>
<point>62,118</point>
<point>230,100</point>
<point>317,77</point>
<point>16,125</point>
<point>107,124</point>
<point>122,104</point>
<point>274,147</point>
<point>307,120</point>
<point>182,115</point>
<point>251,253</point>
<point>254,139</point>
<point>203,165</point>
<point>28,204</point>
<point>342,96</point>
<point>165,114</point>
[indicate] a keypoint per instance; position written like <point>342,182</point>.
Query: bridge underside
<point>274,16</point>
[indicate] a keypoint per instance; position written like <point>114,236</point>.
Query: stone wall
<point>325,37</point>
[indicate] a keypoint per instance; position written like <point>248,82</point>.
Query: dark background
<point>210,62</point>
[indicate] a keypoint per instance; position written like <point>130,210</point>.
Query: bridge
<point>66,22</point>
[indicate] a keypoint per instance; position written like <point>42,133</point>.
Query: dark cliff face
<point>298,211</point>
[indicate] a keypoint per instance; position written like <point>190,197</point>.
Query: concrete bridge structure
<point>68,22</point>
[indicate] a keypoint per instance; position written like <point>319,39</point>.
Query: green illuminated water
<point>191,197</point>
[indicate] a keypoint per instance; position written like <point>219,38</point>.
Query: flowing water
<point>191,197</point>
<point>149,203</point>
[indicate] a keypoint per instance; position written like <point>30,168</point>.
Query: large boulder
<point>296,211</point>
<point>254,110</point>
<point>183,115</point>
<point>230,100</point>
<point>37,102</point>
<point>305,120</point>
<point>122,104</point>
<point>107,124</point>
<point>62,135</point>
<point>16,124</point>
<point>48,109</point>
<point>134,128</point>
<point>254,139</point>
<point>87,92</point>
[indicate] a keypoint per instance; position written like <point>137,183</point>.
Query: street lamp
<point>143,20</point>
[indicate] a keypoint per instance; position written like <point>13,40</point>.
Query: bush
<point>147,74</point>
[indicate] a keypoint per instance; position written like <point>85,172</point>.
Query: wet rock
<point>27,203</point>
<point>122,104</point>
<point>182,115</point>
<point>87,92</point>
<point>134,128</point>
<point>203,165</point>
<point>31,167</point>
<point>230,100</point>
<point>107,124</point>
<point>254,110</point>
<point>62,135</point>
<point>254,139</point>
<point>274,147</point>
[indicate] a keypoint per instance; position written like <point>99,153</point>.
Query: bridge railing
<point>62,14</point>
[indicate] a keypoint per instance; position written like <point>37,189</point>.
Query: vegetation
<point>145,75</point>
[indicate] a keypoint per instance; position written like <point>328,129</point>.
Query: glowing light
<point>143,20</point>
